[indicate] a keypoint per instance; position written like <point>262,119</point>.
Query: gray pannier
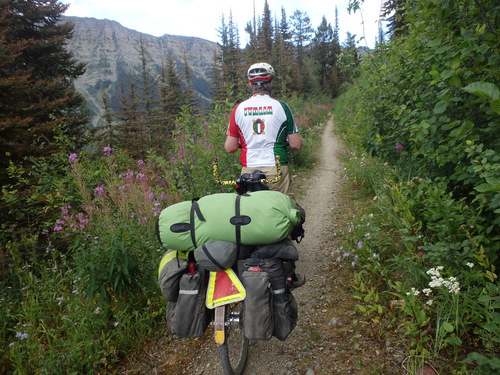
<point>172,266</point>
<point>270,310</point>
<point>189,317</point>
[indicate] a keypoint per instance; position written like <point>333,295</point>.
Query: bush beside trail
<point>420,124</point>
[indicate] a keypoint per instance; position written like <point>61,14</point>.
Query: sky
<point>202,18</point>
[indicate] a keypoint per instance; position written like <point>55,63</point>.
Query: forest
<point>419,116</point>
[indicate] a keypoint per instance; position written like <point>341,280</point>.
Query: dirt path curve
<point>298,354</point>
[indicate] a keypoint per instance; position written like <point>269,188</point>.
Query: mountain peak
<point>111,52</point>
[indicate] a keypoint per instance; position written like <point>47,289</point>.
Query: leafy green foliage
<point>421,124</point>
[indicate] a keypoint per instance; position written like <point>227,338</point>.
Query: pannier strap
<point>278,291</point>
<point>212,259</point>
<point>195,208</point>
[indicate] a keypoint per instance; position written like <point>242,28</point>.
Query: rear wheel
<point>234,351</point>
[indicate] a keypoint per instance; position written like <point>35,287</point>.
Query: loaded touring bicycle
<point>230,263</point>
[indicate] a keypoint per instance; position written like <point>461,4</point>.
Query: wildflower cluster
<point>436,283</point>
<point>138,194</point>
<point>360,246</point>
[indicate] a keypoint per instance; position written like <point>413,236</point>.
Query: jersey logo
<point>259,127</point>
<point>258,111</point>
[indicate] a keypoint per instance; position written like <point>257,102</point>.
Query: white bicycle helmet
<point>260,72</point>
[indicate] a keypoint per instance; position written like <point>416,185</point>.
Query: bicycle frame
<point>228,313</point>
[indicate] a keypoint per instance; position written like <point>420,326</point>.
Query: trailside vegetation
<point>79,253</point>
<point>421,125</point>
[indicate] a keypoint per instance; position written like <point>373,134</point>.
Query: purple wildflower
<point>72,158</point>
<point>99,191</point>
<point>399,147</point>
<point>108,150</point>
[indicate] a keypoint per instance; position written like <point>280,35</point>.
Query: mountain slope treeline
<point>111,53</point>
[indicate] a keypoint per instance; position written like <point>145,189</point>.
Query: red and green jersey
<point>262,125</point>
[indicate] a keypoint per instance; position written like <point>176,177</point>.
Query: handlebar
<point>254,179</point>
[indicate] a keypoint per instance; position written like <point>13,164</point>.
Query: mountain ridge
<point>111,52</point>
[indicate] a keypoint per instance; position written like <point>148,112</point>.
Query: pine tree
<point>265,35</point>
<point>282,57</point>
<point>323,52</point>
<point>37,95</point>
<point>302,34</point>
<point>190,100</point>
<point>106,135</point>
<point>229,68</point>
<point>394,12</point>
<point>172,96</point>
<point>147,96</point>
<point>131,122</point>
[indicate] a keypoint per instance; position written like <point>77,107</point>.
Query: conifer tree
<point>265,36</point>
<point>106,135</point>
<point>147,96</point>
<point>190,100</point>
<point>217,87</point>
<point>37,96</point>
<point>229,68</point>
<point>324,53</point>
<point>172,96</point>
<point>394,12</point>
<point>302,34</point>
<point>282,57</point>
<point>131,134</point>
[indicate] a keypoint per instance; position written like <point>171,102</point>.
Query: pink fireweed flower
<point>108,150</point>
<point>73,158</point>
<point>141,164</point>
<point>399,147</point>
<point>99,191</point>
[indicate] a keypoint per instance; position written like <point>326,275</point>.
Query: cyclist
<point>263,127</point>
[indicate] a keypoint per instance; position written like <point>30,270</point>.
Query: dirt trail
<point>328,338</point>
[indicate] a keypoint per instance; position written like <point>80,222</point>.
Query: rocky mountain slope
<point>111,52</point>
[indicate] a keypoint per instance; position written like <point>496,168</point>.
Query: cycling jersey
<point>262,125</point>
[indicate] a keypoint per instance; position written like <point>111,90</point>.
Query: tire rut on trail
<point>296,354</point>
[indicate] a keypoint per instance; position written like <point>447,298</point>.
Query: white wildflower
<point>414,292</point>
<point>436,282</point>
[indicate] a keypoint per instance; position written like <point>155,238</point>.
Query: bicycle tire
<point>234,351</point>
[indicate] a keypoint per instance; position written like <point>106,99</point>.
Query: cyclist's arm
<point>231,144</point>
<point>295,141</point>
